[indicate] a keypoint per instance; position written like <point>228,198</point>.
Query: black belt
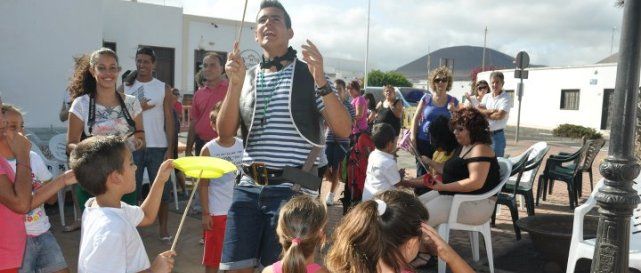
<point>497,131</point>
<point>263,175</point>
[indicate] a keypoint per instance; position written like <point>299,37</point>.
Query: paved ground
<point>510,255</point>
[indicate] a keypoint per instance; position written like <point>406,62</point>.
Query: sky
<point>553,32</point>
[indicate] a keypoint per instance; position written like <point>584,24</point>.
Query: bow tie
<point>276,62</point>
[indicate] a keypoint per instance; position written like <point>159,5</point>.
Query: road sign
<point>522,60</point>
<point>520,74</point>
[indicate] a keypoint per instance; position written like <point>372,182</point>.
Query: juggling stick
<point>242,22</point>
<point>182,220</point>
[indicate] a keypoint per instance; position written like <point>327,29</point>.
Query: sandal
<point>73,227</point>
<point>168,240</point>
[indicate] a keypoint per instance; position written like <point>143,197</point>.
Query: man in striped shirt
<point>279,107</point>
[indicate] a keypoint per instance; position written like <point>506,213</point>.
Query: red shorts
<point>13,270</point>
<point>214,241</point>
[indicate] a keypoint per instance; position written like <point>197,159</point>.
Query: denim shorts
<point>42,254</point>
<point>336,152</point>
<point>250,234</point>
<point>498,143</point>
<point>150,159</point>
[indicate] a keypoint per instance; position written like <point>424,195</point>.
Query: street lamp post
<point>617,199</point>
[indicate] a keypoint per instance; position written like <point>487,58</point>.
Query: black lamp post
<point>617,199</point>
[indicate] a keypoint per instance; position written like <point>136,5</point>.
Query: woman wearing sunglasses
<point>432,105</point>
<point>479,90</point>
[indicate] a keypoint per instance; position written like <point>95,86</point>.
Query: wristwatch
<point>323,90</point>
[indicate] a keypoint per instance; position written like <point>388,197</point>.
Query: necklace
<point>261,80</point>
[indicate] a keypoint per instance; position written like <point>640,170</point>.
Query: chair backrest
<point>635,221</point>
<point>537,153</point>
<point>505,169</point>
<point>58,147</point>
<point>593,146</point>
<point>519,162</point>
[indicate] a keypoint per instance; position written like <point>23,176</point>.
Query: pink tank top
<point>277,267</point>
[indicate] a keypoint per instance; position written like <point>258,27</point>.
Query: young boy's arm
<point>152,202</point>
<point>203,187</point>
<point>50,188</point>
<point>17,196</point>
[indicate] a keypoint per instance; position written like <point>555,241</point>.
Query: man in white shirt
<point>496,108</point>
<point>156,100</point>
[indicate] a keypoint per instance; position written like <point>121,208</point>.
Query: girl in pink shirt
<point>301,225</point>
<point>15,200</point>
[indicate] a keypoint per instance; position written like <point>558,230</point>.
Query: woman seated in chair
<point>472,170</point>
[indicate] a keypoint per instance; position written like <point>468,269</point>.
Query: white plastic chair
<point>452,223</point>
<point>580,248</point>
<point>56,167</point>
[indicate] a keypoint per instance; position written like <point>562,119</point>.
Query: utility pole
<point>484,47</point>
<point>617,199</point>
<point>612,40</point>
<point>367,44</point>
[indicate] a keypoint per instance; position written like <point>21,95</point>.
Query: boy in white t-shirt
<point>42,252</point>
<point>216,195</point>
<point>382,171</point>
<point>109,241</point>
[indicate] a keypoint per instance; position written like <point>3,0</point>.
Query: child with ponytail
<point>301,225</point>
<point>384,234</point>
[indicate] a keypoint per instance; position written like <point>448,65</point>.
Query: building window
<point>570,99</point>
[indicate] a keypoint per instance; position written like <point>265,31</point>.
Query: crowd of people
<point>269,214</point>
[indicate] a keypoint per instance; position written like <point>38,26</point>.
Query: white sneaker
<point>329,199</point>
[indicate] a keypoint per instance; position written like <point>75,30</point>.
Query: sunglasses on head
<point>440,80</point>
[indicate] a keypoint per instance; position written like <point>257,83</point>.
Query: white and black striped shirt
<point>274,140</point>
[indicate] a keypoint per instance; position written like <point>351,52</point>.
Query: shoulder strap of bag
<point>92,112</point>
<point>125,111</point>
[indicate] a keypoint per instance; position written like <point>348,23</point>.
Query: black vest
<point>302,104</point>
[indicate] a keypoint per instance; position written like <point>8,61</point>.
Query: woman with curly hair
<point>433,104</point>
<point>98,109</point>
<point>472,170</point>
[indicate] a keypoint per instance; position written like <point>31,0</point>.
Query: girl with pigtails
<point>301,228</point>
<point>385,234</point>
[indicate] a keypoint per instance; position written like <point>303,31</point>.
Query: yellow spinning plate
<point>211,167</point>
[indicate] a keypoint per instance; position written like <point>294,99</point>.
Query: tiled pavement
<point>504,243</point>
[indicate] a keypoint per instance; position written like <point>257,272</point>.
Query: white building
<point>579,95</point>
<point>40,39</point>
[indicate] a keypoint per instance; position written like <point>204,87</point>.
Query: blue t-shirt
<point>431,112</point>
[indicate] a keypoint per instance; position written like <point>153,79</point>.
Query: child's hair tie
<point>381,207</point>
<point>296,241</point>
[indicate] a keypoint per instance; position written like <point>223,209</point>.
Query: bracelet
<point>23,165</point>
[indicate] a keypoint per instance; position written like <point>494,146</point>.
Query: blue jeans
<point>250,235</point>
<point>42,254</point>
<point>498,143</point>
<point>150,158</point>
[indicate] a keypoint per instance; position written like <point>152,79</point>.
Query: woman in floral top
<point>97,107</point>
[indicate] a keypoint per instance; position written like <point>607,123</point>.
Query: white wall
<point>39,40</point>
<point>130,24</point>
<point>213,34</point>
<point>542,95</point>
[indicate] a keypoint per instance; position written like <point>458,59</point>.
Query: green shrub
<point>576,131</point>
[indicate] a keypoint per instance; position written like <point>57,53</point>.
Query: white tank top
<point>221,189</point>
<point>153,120</point>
